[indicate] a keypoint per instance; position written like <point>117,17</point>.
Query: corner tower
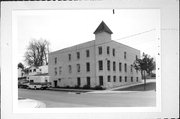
<point>103,33</point>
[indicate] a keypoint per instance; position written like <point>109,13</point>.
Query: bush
<point>98,87</point>
<point>67,87</point>
<point>86,87</point>
<point>76,86</point>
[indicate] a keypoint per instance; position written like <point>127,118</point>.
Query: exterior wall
<point>118,58</point>
<point>70,79</point>
<point>39,70</point>
<point>66,78</point>
<point>39,79</point>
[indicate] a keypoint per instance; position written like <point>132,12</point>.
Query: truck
<point>39,85</point>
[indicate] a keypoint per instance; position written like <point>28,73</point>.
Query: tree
<point>20,65</point>
<point>37,53</point>
<point>144,65</point>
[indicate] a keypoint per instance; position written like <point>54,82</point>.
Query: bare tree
<point>37,53</point>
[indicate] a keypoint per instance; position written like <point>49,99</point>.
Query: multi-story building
<point>101,62</point>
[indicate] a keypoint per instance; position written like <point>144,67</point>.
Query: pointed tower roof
<point>103,28</point>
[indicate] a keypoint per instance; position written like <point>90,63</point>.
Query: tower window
<point>100,50</point>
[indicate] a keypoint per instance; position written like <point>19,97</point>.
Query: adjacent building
<point>100,62</point>
<point>38,74</point>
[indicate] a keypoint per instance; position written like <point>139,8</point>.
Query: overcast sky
<point>64,28</point>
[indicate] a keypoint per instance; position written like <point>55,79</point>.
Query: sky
<point>138,28</point>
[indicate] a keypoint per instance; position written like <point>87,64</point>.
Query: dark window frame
<point>87,53</point>
<point>88,66</point>
<point>100,63</point>
<point>100,50</point>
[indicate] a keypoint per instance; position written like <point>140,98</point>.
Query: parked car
<point>39,85</point>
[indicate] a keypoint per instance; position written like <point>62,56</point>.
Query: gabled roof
<point>103,28</point>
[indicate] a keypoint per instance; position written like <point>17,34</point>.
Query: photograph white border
<point>9,53</point>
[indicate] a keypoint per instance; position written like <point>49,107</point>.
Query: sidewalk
<point>71,90</point>
<point>130,85</point>
<point>102,91</point>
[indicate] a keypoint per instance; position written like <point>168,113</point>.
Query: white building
<point>101,62</point>
<point>38,74</point>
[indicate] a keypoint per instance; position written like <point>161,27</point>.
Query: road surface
<point>69,99</point>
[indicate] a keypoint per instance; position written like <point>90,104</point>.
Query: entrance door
<point>79,81</point>
<point>55,83</point>
<point>88,81</point>
<point>100,80</point>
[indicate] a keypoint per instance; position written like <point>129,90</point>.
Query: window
<point>109,78</point>
<point>125,55</point>
<point>119,66</point>
<point>30,70</point>
<point>55,71</point>
<point>125,79</point>
<point>59,79</point>
<point>114,78</point>
<point>55,60</point>
<point>108,65</point>
<point>108,50</point>
<point>87,53</point>
<point>131,79</point>
<point>100,80</point>
<point>113,52</point>
<point>31,81</point>
<point>100,65</point>
<point>70,69</point>
<point>136,79</point>
<point>69,57</point>
<point>78,68</point>
<point>60,70</point>
<point>34,70</point>
<point>78,55</point>
<point>78,81</point>
<point>120,79</point>
<point>87,66</point>
<point>100,50</point>
<point>88,81</point>
<point>131,68</point>
<point>114,66</point>
<point>125,67</point>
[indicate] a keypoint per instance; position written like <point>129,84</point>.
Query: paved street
<point>70,99</point>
